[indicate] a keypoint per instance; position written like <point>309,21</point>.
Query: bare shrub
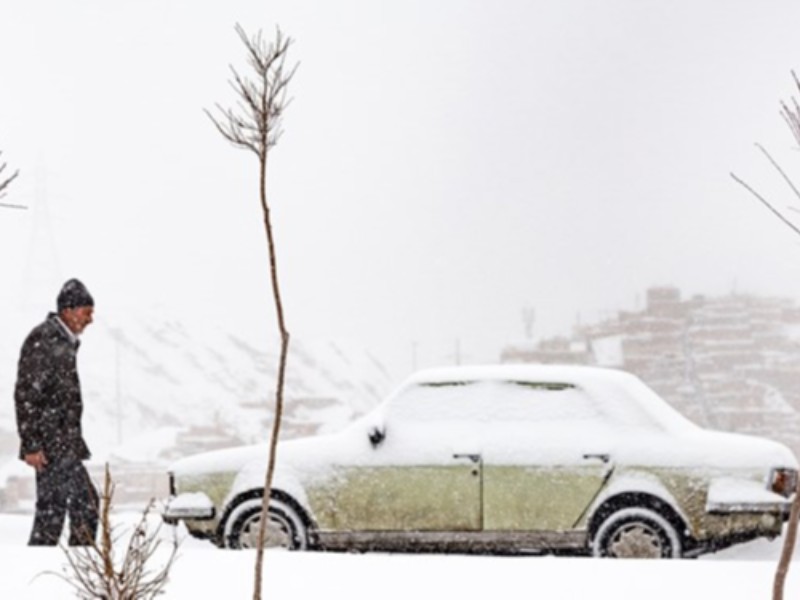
<point>96,572</point>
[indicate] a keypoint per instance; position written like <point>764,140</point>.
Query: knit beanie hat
<point>74,294</point>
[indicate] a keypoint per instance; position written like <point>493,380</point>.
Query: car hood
<point>218,461</point>
<point>302,453</point>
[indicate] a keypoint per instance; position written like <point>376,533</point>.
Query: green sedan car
<point>501,459</point>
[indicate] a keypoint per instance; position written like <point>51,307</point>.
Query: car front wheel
<point>285,527</point>
<point>636,533</point>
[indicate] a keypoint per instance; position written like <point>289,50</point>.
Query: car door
<point>540,498</point>
<point>421,472</point>
<point>546,457</point>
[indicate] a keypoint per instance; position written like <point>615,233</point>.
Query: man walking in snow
<point>49,408</point>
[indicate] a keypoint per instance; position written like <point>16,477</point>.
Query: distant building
<point>560,350</point>
<point>729,362</point>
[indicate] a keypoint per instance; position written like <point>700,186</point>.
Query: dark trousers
<point>64,487</point>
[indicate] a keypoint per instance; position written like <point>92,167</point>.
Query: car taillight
<point>783,481</point>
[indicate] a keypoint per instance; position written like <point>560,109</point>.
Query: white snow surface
<point>203,571</point>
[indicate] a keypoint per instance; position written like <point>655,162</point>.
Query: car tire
<point>285,529</point>
<point>636,532</point>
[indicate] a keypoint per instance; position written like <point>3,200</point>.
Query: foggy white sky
<point>444,163</point>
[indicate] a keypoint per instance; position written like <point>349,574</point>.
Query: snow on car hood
<point>218,461</point>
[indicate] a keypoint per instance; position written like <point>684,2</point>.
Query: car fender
<point>284,479</point>
<point>636,482</point>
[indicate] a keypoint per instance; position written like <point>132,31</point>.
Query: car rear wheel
<point>285,527</point>
<point>636,533</point>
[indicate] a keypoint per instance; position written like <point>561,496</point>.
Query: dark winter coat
<point>48,395</point>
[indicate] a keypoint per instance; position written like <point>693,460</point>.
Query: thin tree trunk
<point>281,378</point>
<point>255,125</point>
<point>788,546</point>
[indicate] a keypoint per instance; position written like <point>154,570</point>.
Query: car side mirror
<point>376,436</point>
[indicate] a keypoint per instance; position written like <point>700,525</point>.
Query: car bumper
<point>734,496</point>
<point>195,506</point>
<point>781,509</point>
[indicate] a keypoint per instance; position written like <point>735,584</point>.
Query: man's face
<point>77,318</point>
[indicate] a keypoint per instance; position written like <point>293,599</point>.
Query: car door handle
<point>476,458</point>
<point>604,457</point>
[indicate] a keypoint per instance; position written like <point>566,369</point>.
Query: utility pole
<point>528,318</point>
<point>42,263</point>
<point>118,389</point>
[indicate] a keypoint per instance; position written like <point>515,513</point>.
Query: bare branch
<point>792,114</point>
<point>232,130</point>
<point>766,203</point>
<point>247,91</point>
<point>778,168</point>
<point>5,182</point>
<point>256,125</point>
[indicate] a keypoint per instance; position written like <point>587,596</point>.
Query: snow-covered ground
<point>202,571</point>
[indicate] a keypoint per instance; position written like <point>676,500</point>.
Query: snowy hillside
<point>158,387</point>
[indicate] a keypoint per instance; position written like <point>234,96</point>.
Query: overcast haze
<point>444,164</point>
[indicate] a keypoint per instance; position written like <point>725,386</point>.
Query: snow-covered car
<point>509,458</point>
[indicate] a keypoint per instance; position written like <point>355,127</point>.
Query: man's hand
<point>36,459</point>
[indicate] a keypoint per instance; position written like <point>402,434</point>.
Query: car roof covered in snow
<point>620,393</point>
<point>582,376</point>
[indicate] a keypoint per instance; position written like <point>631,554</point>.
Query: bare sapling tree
<point>254,124</point>
<point>788,547</point>
<point>791,115</point>
<point>95,572</point>
<point>5,181</point>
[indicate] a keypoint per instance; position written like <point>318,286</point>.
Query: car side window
<point>545,403</point>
